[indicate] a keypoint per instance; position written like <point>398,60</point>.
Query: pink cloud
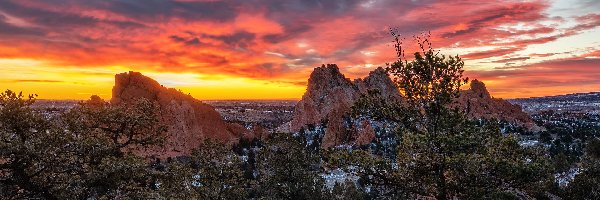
<point>271,40</point>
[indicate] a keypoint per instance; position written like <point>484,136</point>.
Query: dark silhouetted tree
<point>287,169</point>
<point>442,153</point>
<point>586,184</point>
<point>84,154</point>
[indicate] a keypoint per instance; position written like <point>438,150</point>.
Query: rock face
<point>330,95</point>
<point>188,121</point>
<point>478,103</point>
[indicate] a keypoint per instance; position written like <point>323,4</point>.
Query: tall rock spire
<point>330,95</point>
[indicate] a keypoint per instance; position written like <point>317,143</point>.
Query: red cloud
<point>492,53</point>
<point>545,78</point>
<point>273,40</point>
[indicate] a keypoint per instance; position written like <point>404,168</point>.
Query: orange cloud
<point>546,78</point>
<point>271,43</point>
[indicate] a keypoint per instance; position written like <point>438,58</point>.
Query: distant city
<point>269,114</point>
<point>571,112</point>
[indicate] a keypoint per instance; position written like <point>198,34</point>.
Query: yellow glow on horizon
<point>79,83</point>
<point>221,87</point>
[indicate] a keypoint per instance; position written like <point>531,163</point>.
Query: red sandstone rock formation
<point>330,95</point>
<point>188,121</point>
<point>478,103</point>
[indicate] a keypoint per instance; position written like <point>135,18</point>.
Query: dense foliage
<point>442,153</point>
<point>84,153</point>
<point>96,151</point>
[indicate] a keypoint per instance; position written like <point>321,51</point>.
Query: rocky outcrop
<point>330,95</point>
<point>188,121</point>
<point>478,103</point>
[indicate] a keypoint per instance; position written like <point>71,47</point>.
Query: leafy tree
<point>219,172</point>
<point>81,155</point>
<point>288,170</point>
<point>106,137</point>
<point>346,190</point>
<point>176,179</point>
<point>376,173</point>
<point>33,163</point>
<point>121,128</point>
<point>442,153</point>
<point>213,171</point>
<point>585,185</point>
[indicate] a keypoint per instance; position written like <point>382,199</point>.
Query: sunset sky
<point>266,49</point>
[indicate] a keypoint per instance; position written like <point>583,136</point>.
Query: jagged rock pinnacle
<point>478,103</point>
<point>330,95</point>
<point>189,121</point>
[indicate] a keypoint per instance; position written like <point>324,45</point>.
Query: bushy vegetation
<point>442,153</point>
<point>92,151</point>
<point>87,152</point>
